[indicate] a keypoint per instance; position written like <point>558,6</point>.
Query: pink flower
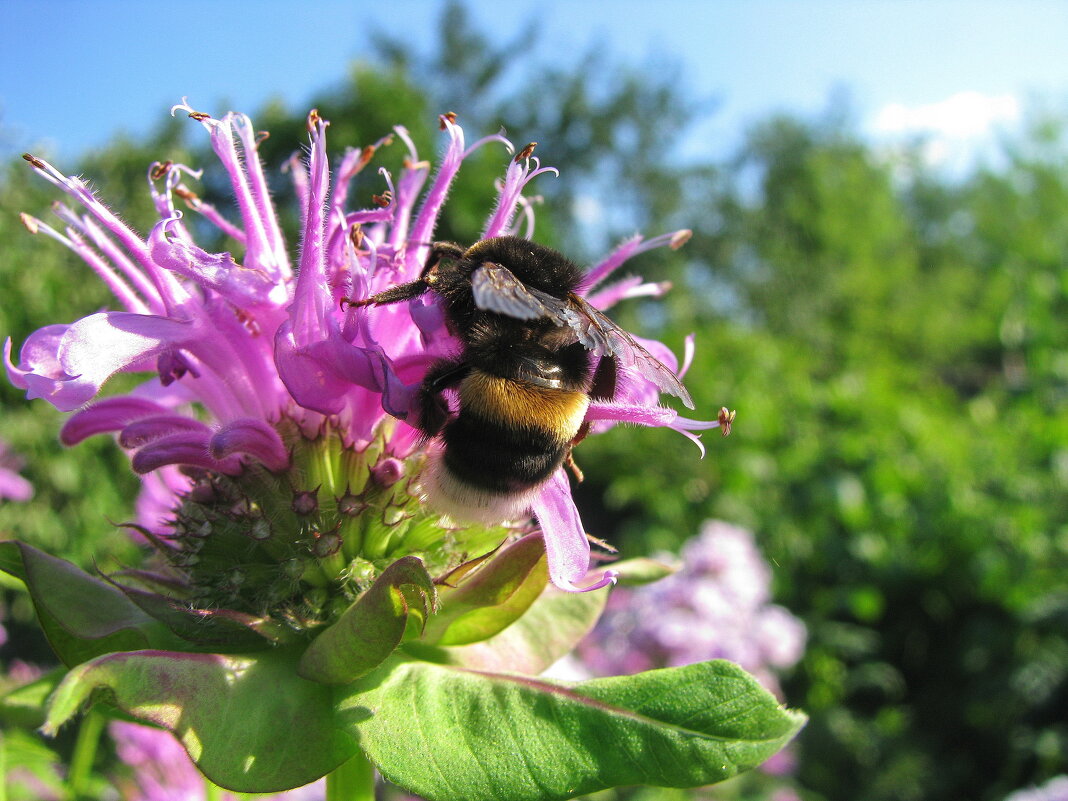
<point>12,486</point>
<point>717,606</point>
<point>252,354</point>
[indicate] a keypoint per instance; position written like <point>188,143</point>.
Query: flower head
<point>280,421</point>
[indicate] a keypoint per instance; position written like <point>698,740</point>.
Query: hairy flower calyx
<point>301,545</point>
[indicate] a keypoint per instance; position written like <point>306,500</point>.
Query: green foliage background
<point>893,339</point>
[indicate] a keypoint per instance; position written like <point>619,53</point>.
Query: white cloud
<point>961,116</point>
<point>955,134</point>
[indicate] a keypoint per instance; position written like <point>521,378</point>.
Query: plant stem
<point>81,762</point>
<point>3,768</point>
<point>352,781</point>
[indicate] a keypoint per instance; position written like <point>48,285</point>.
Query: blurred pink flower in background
<point>717,606</point>
<point>163,771</point>
<point>13,487</point>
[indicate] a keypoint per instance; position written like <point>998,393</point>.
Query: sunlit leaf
<point>249,722</point>
<point>447,733</point>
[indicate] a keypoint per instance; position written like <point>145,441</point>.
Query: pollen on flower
<point>680,238</point>
<point>34,161</point>
<point>30,223</point>
<point>525,153</point>
<point>725,418</point>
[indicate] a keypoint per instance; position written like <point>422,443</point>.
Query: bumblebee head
<point>444,257</point>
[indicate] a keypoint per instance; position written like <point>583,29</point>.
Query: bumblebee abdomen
<point>517,404</point>
<point>510,435</point>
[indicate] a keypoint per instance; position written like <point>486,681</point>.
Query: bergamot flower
<point>289,413</point>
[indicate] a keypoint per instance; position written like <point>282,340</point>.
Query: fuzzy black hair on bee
<point>524,373</point>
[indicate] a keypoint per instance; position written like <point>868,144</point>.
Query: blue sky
<point>71,73</point>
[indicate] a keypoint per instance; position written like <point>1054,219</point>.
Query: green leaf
<point>640,570</point>
<point>369,630</point>
<point>29,769</point>
<point>489,598</point>
<point>549,629</point>
<point>250,723</point>
<point>447,733</point>
<point>24,705</point>
<point>82,616</point>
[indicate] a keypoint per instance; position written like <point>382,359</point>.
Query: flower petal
<point>147,429</point>
<point>312,381</point>
<point>321,374</point>
<point>69,370</point>
<point>110,414</point>
<point>254,437</point>
<point>630,287</point>
<point>158,497</point>
<point>566,547</point>
<point>219,272</point>
<point>38,358</point>
<point>189,448</point>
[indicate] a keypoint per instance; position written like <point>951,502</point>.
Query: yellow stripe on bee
<point>516,404</point>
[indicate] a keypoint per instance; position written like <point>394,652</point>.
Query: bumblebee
<point>525,373</point>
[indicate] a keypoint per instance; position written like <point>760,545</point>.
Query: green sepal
<point>214,629</point>
<point>550,628</point>
<point>82,616</point>
<point>526,739</point>
<point>479,603</point>
<point>369,630</point>
<point>250,723</point>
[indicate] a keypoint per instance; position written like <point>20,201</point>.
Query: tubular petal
<point>254,437</point>
<point>98,346</point>
<point>566,547</point>
<point>110,414</point>
<point>37,357</point>
<point>188,449</point>
<point>140,432</point>
<point>216,271</point>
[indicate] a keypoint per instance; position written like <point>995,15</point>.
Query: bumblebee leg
<point>395,294</point>
<point>570,464</point>
<point>434,412</point>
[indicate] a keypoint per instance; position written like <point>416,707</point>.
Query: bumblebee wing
<point>598,333</point>
<point>496,289</point>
